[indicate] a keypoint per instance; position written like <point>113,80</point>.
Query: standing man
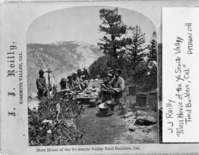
<point>118,85</point>
<point>41,85</point>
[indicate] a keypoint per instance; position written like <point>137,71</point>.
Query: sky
<point>81,24</point>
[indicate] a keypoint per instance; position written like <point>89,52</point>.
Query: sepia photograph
<point>92,78</point>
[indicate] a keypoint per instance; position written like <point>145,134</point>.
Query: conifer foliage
<point>114,29</point>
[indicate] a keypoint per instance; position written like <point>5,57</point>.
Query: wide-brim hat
<point>79,71</point>
<point>49,70</point>
<point>74,75</point>
<point>41,72</point>
<point>118,70</point>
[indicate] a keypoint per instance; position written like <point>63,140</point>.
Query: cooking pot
<point>105,110</point>
<point>92,102</point>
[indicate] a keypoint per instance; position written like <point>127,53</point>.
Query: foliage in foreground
<point>53,123</point>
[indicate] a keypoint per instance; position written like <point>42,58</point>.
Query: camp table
<point>86,98</point>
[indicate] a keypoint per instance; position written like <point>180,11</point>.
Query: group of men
<point>111,88</point>
<point>76,81</point>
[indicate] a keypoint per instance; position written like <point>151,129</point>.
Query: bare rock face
<point>63,58</point>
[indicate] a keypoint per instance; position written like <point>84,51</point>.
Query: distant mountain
<point>63,58</point>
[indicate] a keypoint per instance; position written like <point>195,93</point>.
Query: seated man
<point>83,82</point>
<point>61,86</point>
<point>70,82</point>
<point>63,83</point>
<point>106,92</point>
<point>61,89</point>
<point>41,85</point>
<point>87,74</point>
<point>118,85</point>
<point>76,82</point>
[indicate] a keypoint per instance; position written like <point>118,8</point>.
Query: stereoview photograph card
<point>87,77</point>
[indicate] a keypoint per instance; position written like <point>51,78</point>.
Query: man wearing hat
<point>79,79</point>
<point>79,73</point>
<point>41,85</point>
<point>63,83</point>
<point>76,82</point>
<point>118,85</point>
<point>61,88</point>
<point>70,82</point>
<point>87,74</point>
<point>106,92</point>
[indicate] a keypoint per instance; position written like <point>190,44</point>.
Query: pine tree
<point>153,48</point>
<point>114,29</point>
<point>135,50</point>
<point>146,75</point>
<point>152,63</point>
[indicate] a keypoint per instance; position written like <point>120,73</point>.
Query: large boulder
<point>129,114</point>
<point>141,113</point>
<point>146,120</point>
<point>142,108</point>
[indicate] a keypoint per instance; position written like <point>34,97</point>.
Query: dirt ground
<point>114,129</point>
<point>100,130</point>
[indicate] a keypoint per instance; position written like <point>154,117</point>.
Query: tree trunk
<point>114,52</point>
<point>49,86</point>
<point>147,97</point>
